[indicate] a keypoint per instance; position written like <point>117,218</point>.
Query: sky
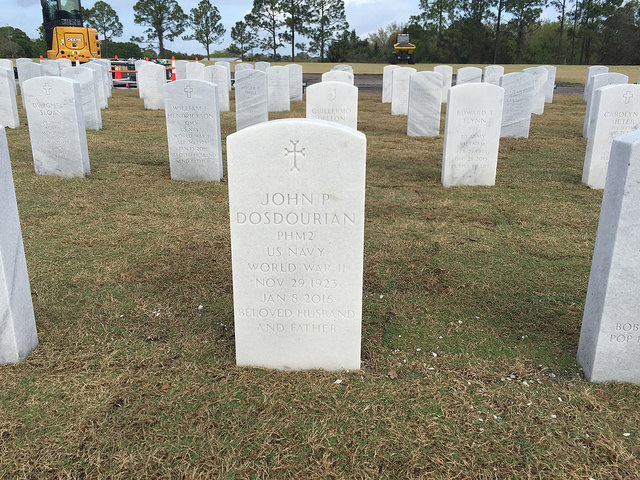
<point>364,16</point>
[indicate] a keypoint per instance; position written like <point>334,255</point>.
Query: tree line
<point>444,31</point>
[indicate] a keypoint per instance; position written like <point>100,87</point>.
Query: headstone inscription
<point>278,89</point>
<point>338,76</point>
<point>227,66</point>
<point>615,111</point>
<point>251,98</point>
<point>87,78</point>
<point>295,82</point>
<point>193,130</point>
<point>218,74</point>
<point>262,66</point>
<point>597,81</point>
<point>51,102</point>
<point>153,78</point>
<point>609,348</point>
<point>468,75</point>
<point>519,88</point>
<point>550,84</point>
<point>194,71</point>
<point>18,336</point>
<point>425,101</point>
<point>333,102</point>
<point>297,186</point>
<point>472,134</point>
<point>400,90</point>
<point>447,75</point>
<point>591,71</point>
<point>8,101</point>
<point>541,74</point>
<point>387,82</point>
<point>492,74</point>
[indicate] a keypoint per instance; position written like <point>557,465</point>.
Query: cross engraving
<point>188,90</point>
<point>295,153</point>
<point>47,88</point>
<point>627,96</point>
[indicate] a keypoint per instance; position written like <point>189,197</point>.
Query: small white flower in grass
<point>626,434</point>
<point>529,404</point>
<point>481,429</point>
<point>554,416</point>
<point>524,382</point>
<point>337,382</point>
<point>440,337</point>
<point>418,349</point>
<point>381,296</point>
<point>434,354</point>
<point>200,307</point>
<point>121,316</point>
<point>430,368</point>
<point>460,321</point>
<point>559,399</point>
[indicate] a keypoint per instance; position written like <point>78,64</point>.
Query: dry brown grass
<point>132,380</point>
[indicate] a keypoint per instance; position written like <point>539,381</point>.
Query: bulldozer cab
<point>64,31</point>
<point>56,13</point>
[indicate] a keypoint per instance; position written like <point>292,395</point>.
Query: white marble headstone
<point>296,201</point>
<point>472,134</point>
<point>50,67</point>
<point>27,70</point>
<point>194,71</point>
<point>550,84</point>
<point>541,74</point>
<point>519,89</point>
<point>591,71</point>
<point>243,66</point>
<point>615,111</point>
<point>333,102</point>
<point>218,74</point>
<point>468,75</point>
<point>387,82</point>
<point>227,66</point>
<point>262,66</point>
<point>8,101</point>
<point>106,73</point>
<point>87,78</point>
<point>492,74</point>
<point>52,102</point>
<point>278,89</point>
<point>251,98</point>
<point>609,348</point>
<point>181,69</point>
<point>343,68</point>
<point>446,71</point>
<point>338,76</point>
<point>64,63</point>
<point>400,90</point>
<point>140,80</point>
<point>102,89</point>
<point>18,336</point>
<point>425,101</point>
<point>597,81</point>
<point>153,77</point>
<point>295,82</point>
<point>193,130</point>
<point>6,63</point>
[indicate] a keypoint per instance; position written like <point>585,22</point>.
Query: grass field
<point>473,300</point>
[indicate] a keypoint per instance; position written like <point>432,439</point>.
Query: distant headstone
<point>153,78</point>
<point>387,82</point>
<point>492,74</point>
<point>6,63</point>
<point>400,90</point>
<point>338,76</point>
<point>295,82</point>
<point>615,111</point>
<point>64,63</point>
<point>50,67</point>
<point>591,71</point>
<point>343,68</point>
<point>56,126</point>
<point>333,102</point>
<point>108,77</point>
<point>193,130</point>
<point>102,89</point>
<point>468,75</point>
<point>541,74</point>
<point>18,336</point>
<point>194,71</point>
<point>550,84</point>
<point>609,348</point>
<point>446,71</point>
<point>242,66</point>
<point>278,89</point>
<point>251,98</point>
<point>218,74</point>
<point>596,82</point>
<point>27,70</point>
<point>23,60</point>
<point>227,66</point>
<point>8,102</point>
<point>181,69</point>
<point>472,135</point>
<point>140,81</point>
<point>519,89</point>
<point>262,66</point>
<point>87,78</point>
<point>296,201</point>
<point>425,100</point>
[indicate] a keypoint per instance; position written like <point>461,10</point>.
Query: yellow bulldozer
<point>65,34</point>
<point>403,51</point>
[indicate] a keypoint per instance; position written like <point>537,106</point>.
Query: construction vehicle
<point>65,34</point>
<point>403,51</point>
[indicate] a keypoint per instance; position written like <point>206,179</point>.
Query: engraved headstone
<point>87,78</point>
<point>52,102</point>
<point>609,348</point>
<point>446,71</point>
<point>615,111</point>
<point>338,76</point>
<point>243,66</point>
<point>468,75</point>
<point>153,77</point>
<point>296,201</point>
<point>591,71</point>
<point>218,74</point>
<point>400,90</point>
<point>18,336</point>
<point>251,98</point>
<point>425,101</point>
<point>194,71</point>
<point>295,82</point>
<point>262,66</point>
<point>597,81</point>
<point>519,88</point>
<point>102,89</point>
<point>193,130</point>
<point>50,67</point>
<point>492,74</point>
<point>227,66</point>
<point>27,70</point>
<point>8,102</point>
<point>278,89</point>
<point>106,73</point>
<point>387,82</point>
<point>541,74</point>
<point>550,84</point>
<point>333,102</point>
<point>472,134</point>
